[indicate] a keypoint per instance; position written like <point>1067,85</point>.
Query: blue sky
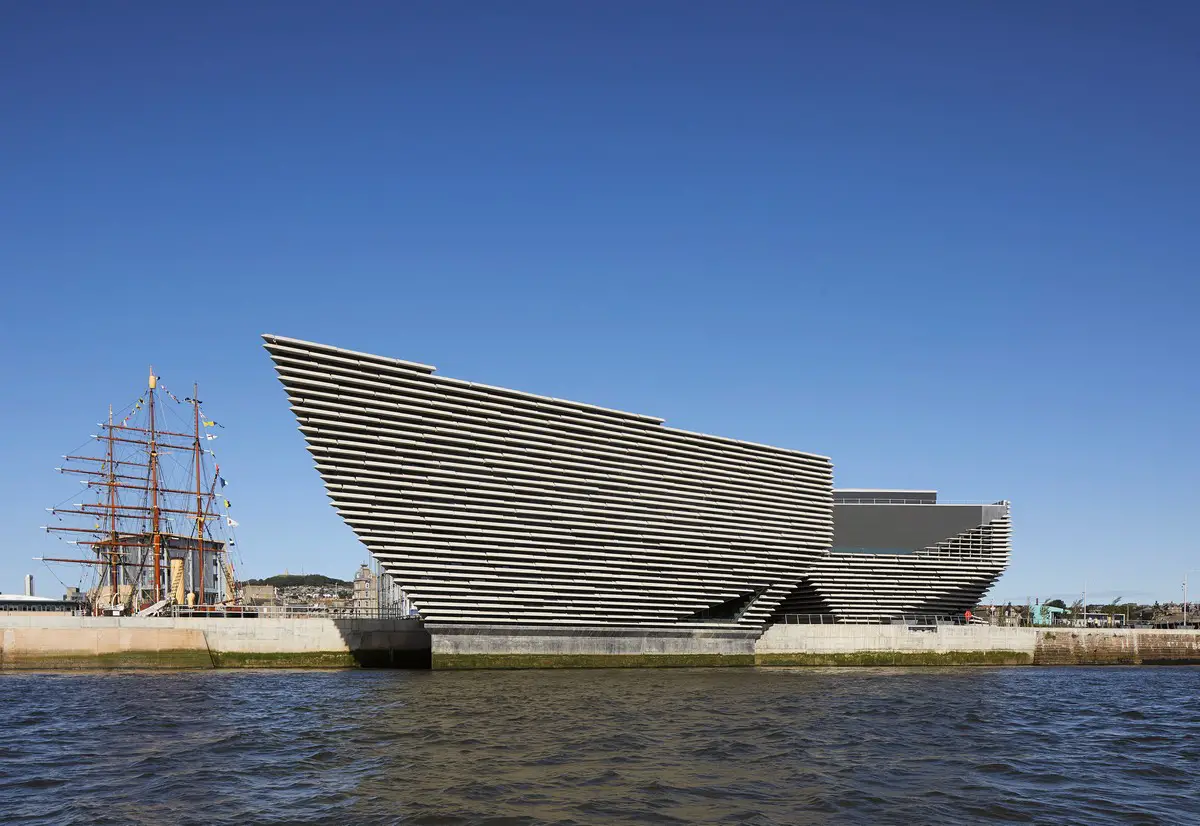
<point>949,245</point>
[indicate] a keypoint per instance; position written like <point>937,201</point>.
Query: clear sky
<point>951,245</point>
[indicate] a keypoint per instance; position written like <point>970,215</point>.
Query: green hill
<point>288,580</point>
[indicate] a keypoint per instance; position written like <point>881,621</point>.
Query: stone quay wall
<point>1117,646</point>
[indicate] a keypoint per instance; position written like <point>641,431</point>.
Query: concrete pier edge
<point>464,646</point>
<point>71,643</point>
<point>42,642</point>
<point>894,658</point>
<point>455,662</point>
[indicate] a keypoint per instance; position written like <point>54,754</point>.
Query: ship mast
<point>155,529</point>
<point>114,550</point>
<point>199,491</point>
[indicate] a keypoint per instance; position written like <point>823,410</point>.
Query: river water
<point>674,746</point>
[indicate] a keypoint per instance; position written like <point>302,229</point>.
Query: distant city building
<point>377,592</point>
<point>260,594</point>
<point>1042,614</point>
<point>27,604</point>
<point>491,505</point>
<point>366,593</point>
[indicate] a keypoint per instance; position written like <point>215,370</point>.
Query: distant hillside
<point>288,580</point>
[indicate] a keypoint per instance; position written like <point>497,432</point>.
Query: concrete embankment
<point>895,645</point>
<point>64,642</point>
<point>54,642</point>
<point>492,646</point>
<point>972,645</point>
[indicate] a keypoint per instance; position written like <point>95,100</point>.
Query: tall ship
<point>153,529</point>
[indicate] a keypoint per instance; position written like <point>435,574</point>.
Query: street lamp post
<point>1185,579</point>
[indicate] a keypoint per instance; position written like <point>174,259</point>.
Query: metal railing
<point>921,620</point>
<point>934,620</point>
<point>872,501</point>
<point>285,612</point>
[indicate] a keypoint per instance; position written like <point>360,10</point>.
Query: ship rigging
<point>154,527</point>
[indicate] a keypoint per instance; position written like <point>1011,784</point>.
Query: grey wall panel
<point>907,527</point>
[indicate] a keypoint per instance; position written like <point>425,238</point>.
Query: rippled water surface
<point>759,746</point>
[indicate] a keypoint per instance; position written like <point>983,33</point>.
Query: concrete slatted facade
<point>495,506</point>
